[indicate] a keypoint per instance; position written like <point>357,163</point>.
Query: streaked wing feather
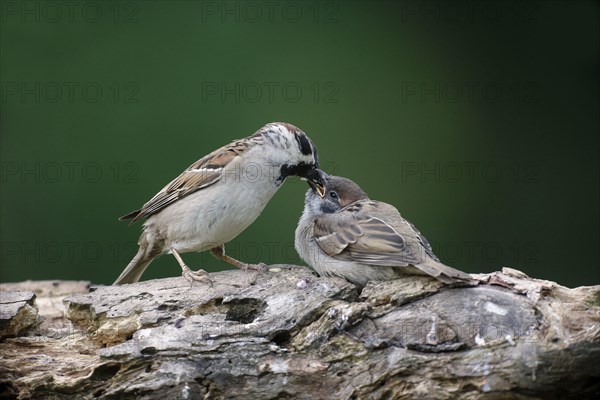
<point>199,175</point>
<point>367,239</point>
<point>186,183</point>
<point>330,241</point>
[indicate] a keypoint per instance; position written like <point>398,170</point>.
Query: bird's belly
<point>354,272</point>
<point>209,218</point>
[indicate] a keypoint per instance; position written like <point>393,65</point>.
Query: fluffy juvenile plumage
<point>344,233</point>
<point>219,196</point>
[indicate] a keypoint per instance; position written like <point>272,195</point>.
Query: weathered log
<point>287,333</point>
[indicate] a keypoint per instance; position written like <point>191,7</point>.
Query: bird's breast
<point>212,216</point>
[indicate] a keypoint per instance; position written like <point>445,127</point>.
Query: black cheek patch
<point>304,144</point>
<point>302,169</point>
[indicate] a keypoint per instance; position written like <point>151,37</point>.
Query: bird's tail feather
<point>135,268</point>
<point>443,272</point>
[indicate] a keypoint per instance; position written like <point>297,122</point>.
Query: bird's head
<point>337,193</point>
<point>293,152</point>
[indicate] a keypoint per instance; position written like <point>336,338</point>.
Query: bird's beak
<point>316,181</point>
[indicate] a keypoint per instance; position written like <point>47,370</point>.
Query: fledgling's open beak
<point>316,180</point>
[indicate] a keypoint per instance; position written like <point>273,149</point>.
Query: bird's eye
<point>333,195</point>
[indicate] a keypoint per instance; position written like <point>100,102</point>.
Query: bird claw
<point>260,267</point>
<point>196,276</point>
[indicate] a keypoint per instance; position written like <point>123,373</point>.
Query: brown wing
<point>199,175</point>
<point>375,235</point>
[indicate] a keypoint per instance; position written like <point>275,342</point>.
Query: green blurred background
<point>479,121</point>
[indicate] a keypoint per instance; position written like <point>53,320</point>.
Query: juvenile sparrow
<point>344,233</point>
<point>219,196</point>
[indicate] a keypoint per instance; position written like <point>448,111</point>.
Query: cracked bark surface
<point>287,333</point>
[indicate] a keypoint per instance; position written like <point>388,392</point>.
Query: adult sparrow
<point>344,233</point>
<point>219,196</point>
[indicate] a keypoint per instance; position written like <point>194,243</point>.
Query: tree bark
<point>286,333</point>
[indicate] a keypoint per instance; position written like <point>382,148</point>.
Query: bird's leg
<point>188,274</point>
<point>219,252</point>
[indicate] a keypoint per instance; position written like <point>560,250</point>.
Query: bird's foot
<point>195,276</point>
<point>219,252</point>
<point>260,267</point>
